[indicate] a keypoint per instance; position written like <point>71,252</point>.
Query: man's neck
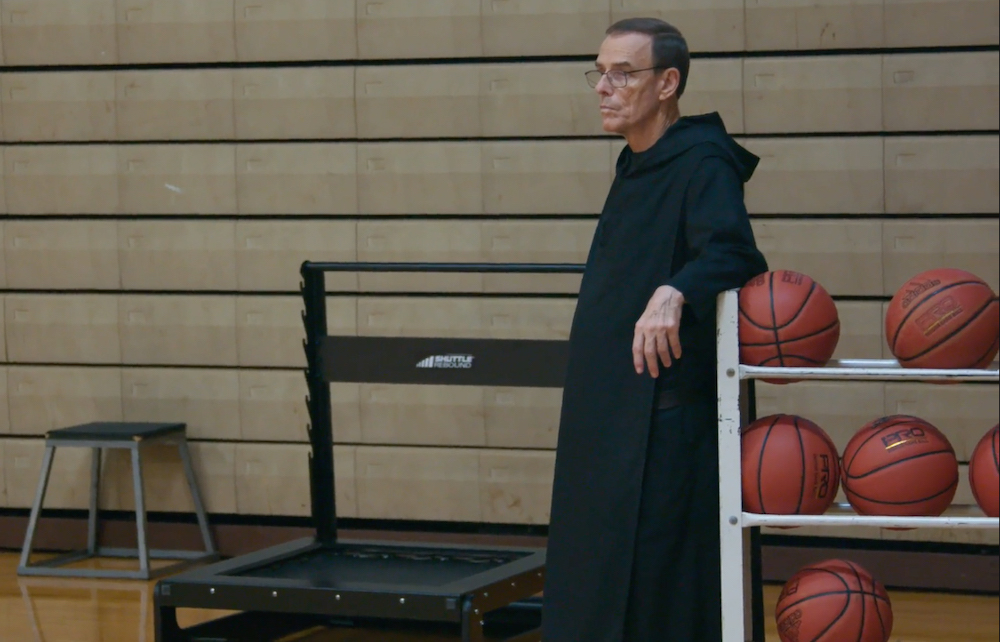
<point>644,138</point>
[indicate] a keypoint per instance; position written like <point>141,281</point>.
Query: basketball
<point>899,465</point>
<point>943,318</point>
<point>984,473</point>
<point>786,319</point>
<point>831,601</point>
<point>790,467</point>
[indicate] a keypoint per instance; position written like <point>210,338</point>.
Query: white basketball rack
<point>737,622</point>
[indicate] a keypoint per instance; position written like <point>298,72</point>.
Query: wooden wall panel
<point>175,104</point>
<point>295,30</point>
<point>46,398</point>
<point>59,106</point>
<point>3,483</point>
<point>269,254</point>
<point>537,99</point>
<point>516,487</point>
<point>4,405</point>
<point>707,25</point>
<point>274,179</point>
<point>59,32</point>
<point>942,174</point>
<point>272,406</point>
<point>176,31</point>
<point>426,178</point>
<point>835,93</point>
<point>941,23</point>
<point>813,24</point>
<point>207,400</point>
<point>177,255</point>
<point>845,257</point>
<point>418,483</point>
<point>294,103</point>
<point>862,333</point>
<point>913,246</point>
<point>185,330</point>
<point>816,176</point>
<point>177,179</point>
<point>61,179</point>
<point>69,488</point>
<point>566,177</point>
<point>543,27</point>
<point>62,329</point>
<point>409,102</point>
<point>941,91</point>
<point>78,254</point>
<point>388,29</point>
<point>214,466</point>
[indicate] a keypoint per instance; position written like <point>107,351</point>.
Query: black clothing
<point>674,215</point>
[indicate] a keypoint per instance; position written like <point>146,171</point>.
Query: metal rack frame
<point>468,588</point>
<point>737,617</point>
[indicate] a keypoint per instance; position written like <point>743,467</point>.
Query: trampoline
<point>475,591</point>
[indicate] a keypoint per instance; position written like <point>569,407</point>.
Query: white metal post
<point>736,615</point>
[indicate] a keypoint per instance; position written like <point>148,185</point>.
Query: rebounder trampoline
<point>475,591</point>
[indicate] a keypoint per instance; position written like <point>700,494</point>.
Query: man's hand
<point>657,332</point>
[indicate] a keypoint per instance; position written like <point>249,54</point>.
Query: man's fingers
<point>674,338</point>
<point>651,348</point>
<point>663,347</point>
<point>637,350</point>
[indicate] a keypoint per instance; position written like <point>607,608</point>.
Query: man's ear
<point>670,82</point>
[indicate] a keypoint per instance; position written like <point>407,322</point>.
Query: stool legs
<point>95,492</point>
<point>199,507</point>
<point>143,552</point>
<point>140,509</point>
<point>36,508</point>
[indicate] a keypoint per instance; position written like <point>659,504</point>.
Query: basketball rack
<point>324,580</point>
<point>738,615</point>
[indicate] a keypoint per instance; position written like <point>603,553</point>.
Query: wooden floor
<point>63,610</point>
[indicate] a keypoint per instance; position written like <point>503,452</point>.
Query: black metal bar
<point>756,564</point>
<point>517,268</point>
<point>321,472</point>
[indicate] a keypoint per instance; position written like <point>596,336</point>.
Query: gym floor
<point>66,610</point>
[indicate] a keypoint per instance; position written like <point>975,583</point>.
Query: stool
<point>126,435</point>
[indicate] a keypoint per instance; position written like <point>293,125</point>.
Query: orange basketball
<point>786,320</point>
<point>984,473</point>
<point>943,318</point>
<point>832,601</point>
<point>899,465</point>
<point>790,467</point>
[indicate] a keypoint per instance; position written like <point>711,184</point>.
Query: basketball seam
<point>906,503</point>
<point>760,463</point>
<point>923,300</point>
<point>802,455</point>
<point>955,331</point>
<point>774,317</point>
<point>996,454</point>
<point>805,336</point>
<point>949,451</point>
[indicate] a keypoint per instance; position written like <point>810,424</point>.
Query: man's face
<point>623,108</point>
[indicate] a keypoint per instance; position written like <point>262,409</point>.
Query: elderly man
<point>633,553</point>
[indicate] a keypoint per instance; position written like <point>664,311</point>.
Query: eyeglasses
<point>617,77</point>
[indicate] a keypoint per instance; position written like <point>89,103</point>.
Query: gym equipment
<point>323,579</point>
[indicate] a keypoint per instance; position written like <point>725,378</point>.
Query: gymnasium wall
<point>168,165</point>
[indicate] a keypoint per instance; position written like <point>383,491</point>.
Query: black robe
<point>674,215</point>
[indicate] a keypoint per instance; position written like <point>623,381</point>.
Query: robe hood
<point>685,134</point>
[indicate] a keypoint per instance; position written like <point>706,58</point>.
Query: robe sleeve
<point>721,250</point>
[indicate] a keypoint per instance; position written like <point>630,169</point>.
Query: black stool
<point>132,436</point>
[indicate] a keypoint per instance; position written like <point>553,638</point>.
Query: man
<point>633,552</point>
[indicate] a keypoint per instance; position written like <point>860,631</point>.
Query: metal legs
<point>55,565</point>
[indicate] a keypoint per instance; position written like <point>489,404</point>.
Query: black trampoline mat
<point>382,565</point>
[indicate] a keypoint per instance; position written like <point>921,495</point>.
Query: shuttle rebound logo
<point>448,361</point>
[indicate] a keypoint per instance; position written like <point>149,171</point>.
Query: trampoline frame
<point>272,607</point>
